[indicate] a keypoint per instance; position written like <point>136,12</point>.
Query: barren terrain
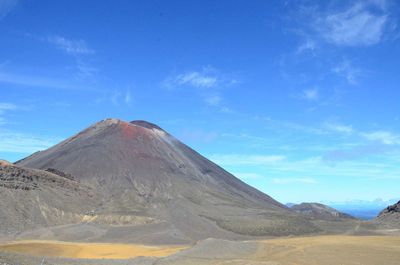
<point>313,250</point>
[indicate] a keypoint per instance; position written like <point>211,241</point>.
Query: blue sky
<point>299,99</point>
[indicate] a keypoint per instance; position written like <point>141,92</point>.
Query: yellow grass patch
<point>88,250</point>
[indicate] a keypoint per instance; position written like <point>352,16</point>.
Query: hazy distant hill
<point>320,211</point>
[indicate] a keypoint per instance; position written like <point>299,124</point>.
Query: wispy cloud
<point>384,137</point>
<point>294,180</point>
<point>197,135</point>
<point>70,46</point>
<point>79,50</point>
<point>207,77</point>
<point>6,6</point>
<point>369,143</point>
<point>289,125</point>
<point>344,24</point>
<point>247,176</point>
<point>213,100</point>
<point>4,108</point>
<point>128,98</point>
<point>381,136</point>
<point>336,127</point>
<point>37,81</point>
<point>356,152</point>
<point>361,24</point>
<point>307,45</point>
<point>117,98</point>
<point>84,69</point>
<point>14,142</point>
<point>310,94</point>
<point>239,159</point>
<point>208,83</point>
<point>348,71</point>
<point>7,106</point>
<point>196,79</point>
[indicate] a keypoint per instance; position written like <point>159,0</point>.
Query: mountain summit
<point>139,170</point>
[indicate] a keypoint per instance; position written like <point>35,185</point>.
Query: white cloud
<point>205,78</point>
<point>339,128</point>
<point>294,180</point>
<point>196,79</point>
<point>358,25</point>
<point>288,125</point>
<point>72,47</point>
<point>348,71</point>
<point>208,83</point>
<point>128,98</point>
<point>4,107</point>
<point>308,45</point>
<point>225,109</point>
<point>244,175</point>
<point>384,137</point>
<point>79,50</point>
<point>117,98</point>
<point>356,152</point>
<point>7,106</point>
<point>6,6</point>
<point>238,159</point>
<point>214,100</point>
<point>310,94</point>
<point>15,142</point>
<point>347,24</point>
<point>195,135</point>
<point>36,81</point>
<point>84,69</point>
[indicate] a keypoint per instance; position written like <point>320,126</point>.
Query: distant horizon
<point>297,99</point>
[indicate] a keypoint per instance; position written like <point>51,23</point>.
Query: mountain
<point>320,211</point>
<point>139,171</point>
<point>390,216</point>
<point>289,204</point>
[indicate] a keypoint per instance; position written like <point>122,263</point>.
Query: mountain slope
<point>31,198</point>
<point>138,169</point>
<point>390,216</point>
